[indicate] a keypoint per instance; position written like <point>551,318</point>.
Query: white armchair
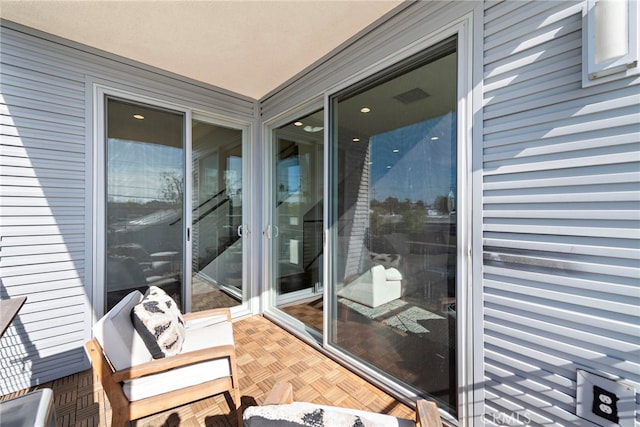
<point>138,385</point>
<point>374,287</point>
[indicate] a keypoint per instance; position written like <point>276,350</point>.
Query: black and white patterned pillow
<point>158,321</point>
<point>302,414</point>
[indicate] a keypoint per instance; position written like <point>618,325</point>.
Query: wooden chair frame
<point>124,411</point>
<point>426,412</point>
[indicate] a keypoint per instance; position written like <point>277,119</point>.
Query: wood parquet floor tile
<point>265,354</point>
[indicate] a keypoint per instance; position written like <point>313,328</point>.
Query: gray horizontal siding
<point>42,164</point>
<point>561,222</point>
<point>46,220</point>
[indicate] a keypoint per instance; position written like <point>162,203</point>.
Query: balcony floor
<point>266,353</point>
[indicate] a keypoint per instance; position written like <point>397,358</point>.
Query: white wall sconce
<point>609,40</point>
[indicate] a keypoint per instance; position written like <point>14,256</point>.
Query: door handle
<point>271,231</point>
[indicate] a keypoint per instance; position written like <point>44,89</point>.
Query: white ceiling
<point>249,47</point>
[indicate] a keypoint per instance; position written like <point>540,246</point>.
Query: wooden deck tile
<point>265,354</point>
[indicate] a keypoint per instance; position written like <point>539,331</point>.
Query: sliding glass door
<point>145,167</point>
<point>156,218</point>
<point>296,227</point>
<point>393,192</point>
<point>217,216</point>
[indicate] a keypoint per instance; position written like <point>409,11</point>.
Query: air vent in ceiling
<point>412,95</point>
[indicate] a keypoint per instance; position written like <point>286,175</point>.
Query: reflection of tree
<point>441,204</point>
<point>393,204</point>
<point>172,187</point>
<point>393,215</point>
<point>414,219</point>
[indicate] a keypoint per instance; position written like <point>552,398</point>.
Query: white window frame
<point>463,28</point>
<point>101,91</point>
<point>269,298</point>
<point>615,68</point>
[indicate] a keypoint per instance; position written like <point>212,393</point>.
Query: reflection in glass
<point>297,235</point>
<point>217,216</point>
<point>393,222</point>
<point>145,196</point>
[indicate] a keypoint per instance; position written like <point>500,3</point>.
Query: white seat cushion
<point>197,338</point>
<point>208,335</point>
<point>120,342</point>
<point>153,385</point>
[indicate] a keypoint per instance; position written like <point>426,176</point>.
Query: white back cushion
<point>379,275</point>
<point>119,340</point>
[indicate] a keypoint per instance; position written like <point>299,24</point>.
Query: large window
<point>393,192</point>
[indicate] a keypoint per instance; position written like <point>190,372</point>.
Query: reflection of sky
<point>234,175</point>
<point>288,179</point>
<point>134,169</point>
<point>422,169</point>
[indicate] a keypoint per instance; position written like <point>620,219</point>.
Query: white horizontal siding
<point>561,216</point>
<point>46,220</point>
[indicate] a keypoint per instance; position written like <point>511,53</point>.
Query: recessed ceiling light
<point>388,167</point>
<point>396,151</point>
<point>356,139</point>
<point>297,124</point>
<point>365,109</point>
<point>138,116</point>
<point>313,128</point>
<point>434,138</point>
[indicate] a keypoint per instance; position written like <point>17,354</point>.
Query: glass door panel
<point>297,219</point>
<point>216,229</point>
<point>393,222</point>
<point>145,199</point>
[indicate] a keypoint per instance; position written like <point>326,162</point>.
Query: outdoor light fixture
<point>298,124</point>
<point>356,139</point>
<point>138,116</point>
<point>365,110</point>
<point>610,39</point>
<point>611,29</point>
<point>434,138</point>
